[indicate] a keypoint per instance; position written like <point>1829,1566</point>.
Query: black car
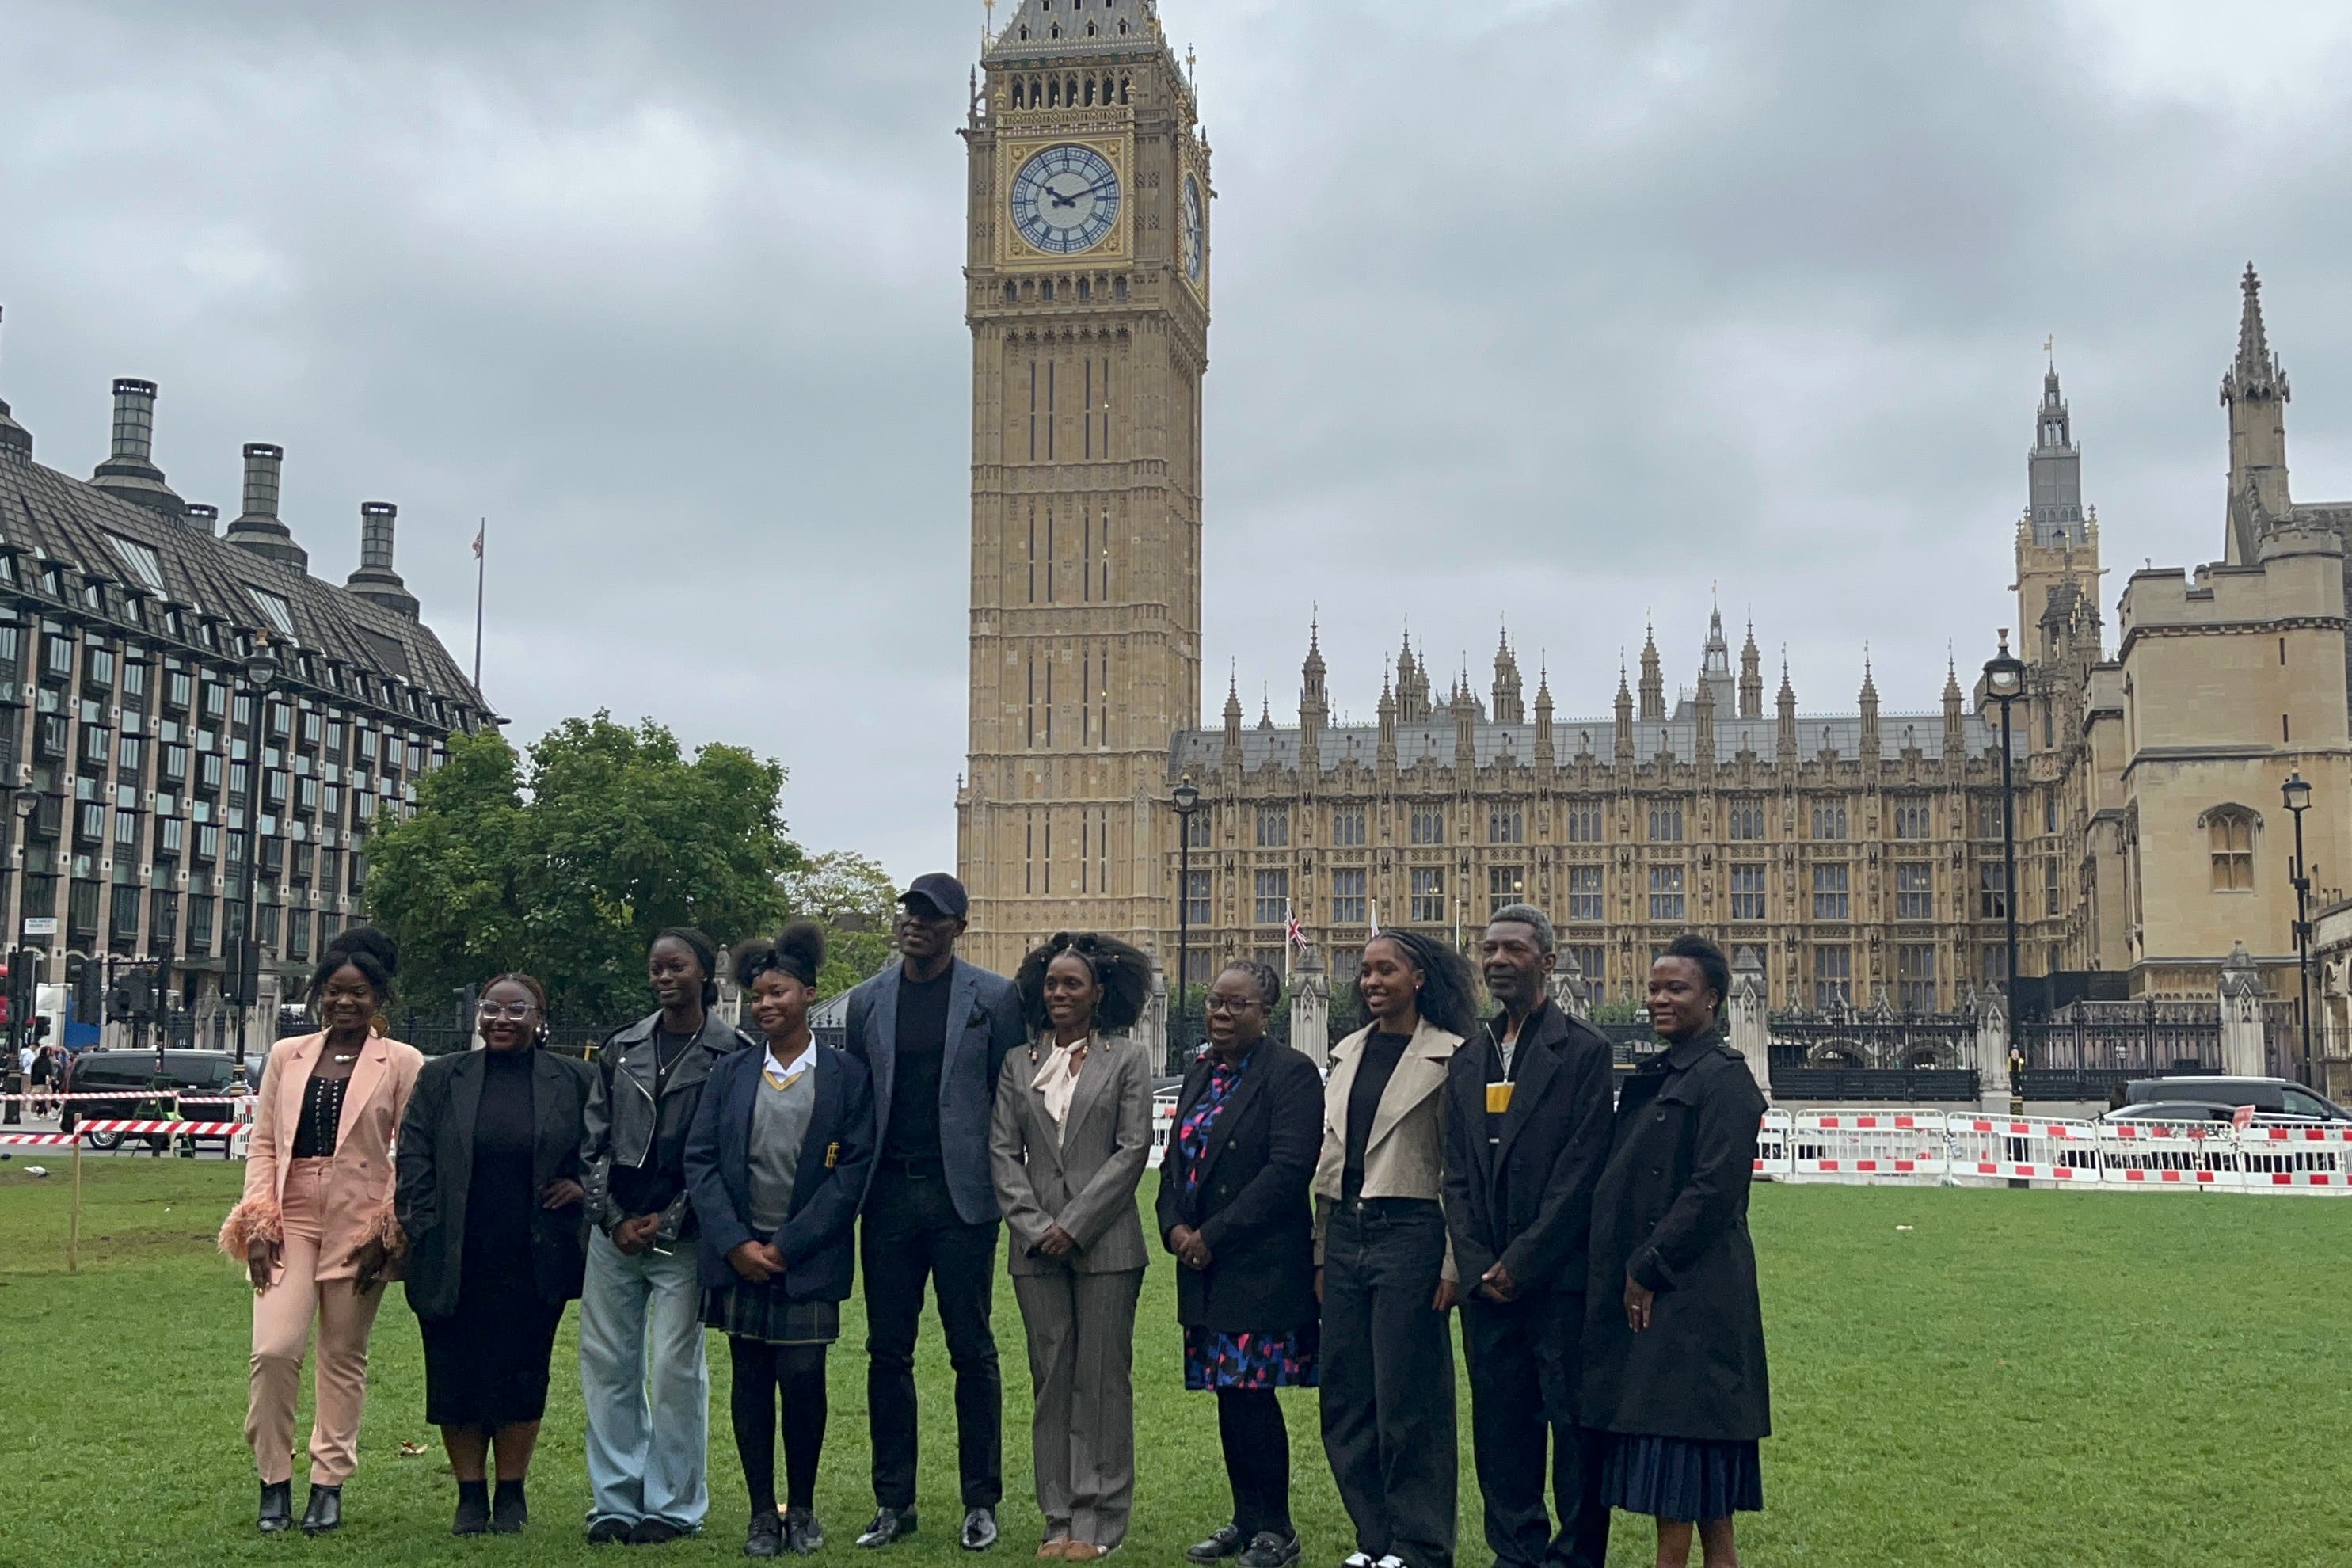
<point>2269,1096</point>
<point>143,1094</point>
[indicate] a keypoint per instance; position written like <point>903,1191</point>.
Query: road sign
<point>40,925</point>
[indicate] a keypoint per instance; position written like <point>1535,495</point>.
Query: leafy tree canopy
<point>857,902</point>
<point>564,862</point>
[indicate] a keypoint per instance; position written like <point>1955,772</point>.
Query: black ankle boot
<point>277,1507</point>
<point>473,1508</point>
<point>509,1513</point>
<point>324,1511</point>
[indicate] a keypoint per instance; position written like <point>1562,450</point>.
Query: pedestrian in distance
<point>1234,1209</point>
<point>777,1163</point>
<point>489,1196</point>
<point>1386,1271</point>
<point>1071,1137</point>
<point>934,1031</point>
<point>316,1227</point>
<point>643,1379</point>
<point>1673,1328</point>
<point>1527,1111</point>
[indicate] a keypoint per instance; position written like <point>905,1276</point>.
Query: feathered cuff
<point>255,1219</point>
<point>384,1226</point>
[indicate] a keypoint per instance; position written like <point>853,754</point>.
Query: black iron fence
<point>2113,1040</point>
<point>1885,1043</point>
<point>1913,1086</point>
<point>441,1037</point>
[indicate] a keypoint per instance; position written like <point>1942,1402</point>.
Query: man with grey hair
<point>1527,1121</point>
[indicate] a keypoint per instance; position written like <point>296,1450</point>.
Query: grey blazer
<point>984,1027</point>
<point>1083,1178</point>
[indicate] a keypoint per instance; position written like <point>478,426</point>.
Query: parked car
<point>2270,1097</point>
<point>2170,1111</point>
<point>133,1073</point>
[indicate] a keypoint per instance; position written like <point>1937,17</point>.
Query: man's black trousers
<point>1524,1370</point>
<point>911,1233</point>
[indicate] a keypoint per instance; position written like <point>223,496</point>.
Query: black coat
<point>1528,1202</point>
<point>828,1184</point>
<point>1672,1211</point>
<point>1252,1206</point>
<point>435,1171</point>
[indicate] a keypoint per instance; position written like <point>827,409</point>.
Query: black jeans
<point>760,1369</point>
<point>1257,1460</point>
<point>1512,1347</point>
<point>1388,1378</point>
<point>912,1232</point>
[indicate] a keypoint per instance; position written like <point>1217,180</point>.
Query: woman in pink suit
<point>315,1227</point>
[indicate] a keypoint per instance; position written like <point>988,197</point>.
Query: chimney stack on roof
<point>129,472</point>
<point>375,579</point>
<point>16,441</point>
<point>257,528</point>
<point>203,516</point>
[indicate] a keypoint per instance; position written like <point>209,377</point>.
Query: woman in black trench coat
<point>1673,1329</point>
<point>1234,1210</point>
<point>488,1192</point>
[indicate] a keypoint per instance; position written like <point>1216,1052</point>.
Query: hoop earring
<point>539,1035</point>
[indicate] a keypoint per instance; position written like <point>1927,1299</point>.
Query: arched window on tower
<point>1090,81</point>
<point>1016,93</point>
<point>2230,838</point>
<point>1053,93</point>
<point>1070,92</point>
<point>1125,83</point>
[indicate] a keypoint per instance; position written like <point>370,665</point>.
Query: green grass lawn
<point>2019,1378</point>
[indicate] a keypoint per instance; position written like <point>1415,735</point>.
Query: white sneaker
<point>1390,1561</point>
<point>1357,1560</point>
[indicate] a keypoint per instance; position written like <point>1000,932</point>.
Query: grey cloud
<point>1556,313</point>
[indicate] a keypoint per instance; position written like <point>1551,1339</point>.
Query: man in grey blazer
<point>933,1031</point>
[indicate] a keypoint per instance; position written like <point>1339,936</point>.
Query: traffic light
<point>87,978</point>
<point>241,980</point>
<point>24,985</point>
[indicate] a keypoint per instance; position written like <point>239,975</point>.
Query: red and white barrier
<point>1775,1148</point>
<point>37,1139</point>
<point>2175,1156</point>
<point>2021,1149</point>
<point>2301,1159</point>
<point>1900,1145</point>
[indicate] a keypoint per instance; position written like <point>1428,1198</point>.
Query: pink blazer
<point>359,1180</point>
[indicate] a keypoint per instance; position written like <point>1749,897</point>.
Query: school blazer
<point>1082,1176</point>
<point>360,1182</point>
<point>829,1184</point>
<point>1405,1155</point>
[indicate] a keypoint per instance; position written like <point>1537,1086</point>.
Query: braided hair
<point>1123,973</point>
<point>1262,975</point>
<point>1449,991</point>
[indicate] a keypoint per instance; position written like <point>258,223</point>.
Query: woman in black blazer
<point>776,1163</point>
<point>488,1193</point>
<point>1234,1208</point>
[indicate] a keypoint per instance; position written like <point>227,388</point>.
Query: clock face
<point>1064,200</point>
<point>1195,245</point>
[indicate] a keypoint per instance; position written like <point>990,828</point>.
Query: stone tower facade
<point>1086,289</point>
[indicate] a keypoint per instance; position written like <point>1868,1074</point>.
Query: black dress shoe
<point>1223,1541</point>
<point>322,1510</point>
<point>978,1529</point>
<point>802,1534</point>
<point>653,1532</point>
<point>766,1537</point>
<point>1267,1550</point>
<point>890,1524</point>
<point>277,1507</point>
<point>509,1510</point>
<point>609,1532</point>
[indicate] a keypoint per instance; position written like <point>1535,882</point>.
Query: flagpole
<point>481,577</point>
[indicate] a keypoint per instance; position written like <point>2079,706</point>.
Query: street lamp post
<point>260,669</point>
<point>2004,675</point>
<point>1187,800</point>
<point>2296,792</point>
<point>24,800</point>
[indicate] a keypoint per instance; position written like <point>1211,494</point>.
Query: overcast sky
<point>1552,313</point>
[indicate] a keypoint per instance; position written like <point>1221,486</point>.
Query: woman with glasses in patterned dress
<point>1234,1209</point>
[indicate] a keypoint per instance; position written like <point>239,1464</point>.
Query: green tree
<point>564,864</point>
<point>857,902</point>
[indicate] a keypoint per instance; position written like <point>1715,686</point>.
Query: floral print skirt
<point>1215,1360</point>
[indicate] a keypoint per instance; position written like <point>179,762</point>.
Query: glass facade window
<point>1583,822</point>
<point>1505,885</point>
<point>1273,826</point>
<point>1914,890</point>
<point>1429,824</point>
<point>1746,819</point>
<point>1506,824</point>
<point>1273,902</point>
<point>1831,902</point>
<point>1428,895</point>
<point>1832,977</point>
<point>1915,977</point>
<point>1347,826</point>
<point>1748,892</point>
<point>1594,963</point>
<point>1198,900</point>
<point>1993,901</point>
<point>1585,898</point>
<point>1666,893</point>
<point>1829,820</point>
<point>1912,819</point>
<point>1666,822</point>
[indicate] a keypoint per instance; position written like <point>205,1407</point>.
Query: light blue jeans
<point>646,1387</point>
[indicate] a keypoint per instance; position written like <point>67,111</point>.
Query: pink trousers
<point>281,1333</point>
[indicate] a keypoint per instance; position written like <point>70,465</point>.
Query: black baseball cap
<point>940,891</point>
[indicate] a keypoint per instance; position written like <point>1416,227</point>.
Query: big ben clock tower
<point>1086,288</point>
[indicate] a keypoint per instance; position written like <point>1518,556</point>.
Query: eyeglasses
<point>515,1011</point>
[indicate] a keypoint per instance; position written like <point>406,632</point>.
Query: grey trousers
<point>1081,1330</point>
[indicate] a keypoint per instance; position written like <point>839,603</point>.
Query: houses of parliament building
<point>1856,848</point>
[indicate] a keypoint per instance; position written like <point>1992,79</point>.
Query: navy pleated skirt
<point>1682,1479</point>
